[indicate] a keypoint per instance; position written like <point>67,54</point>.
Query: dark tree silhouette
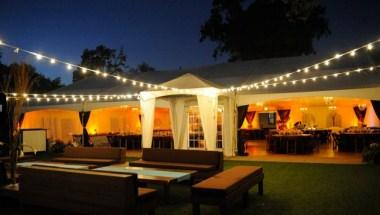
<point>264,28</point>
<point>40,83</point>
<point>144,67</point>
<point>101,58</point>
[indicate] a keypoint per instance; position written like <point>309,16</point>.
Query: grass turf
<point>291,188</point>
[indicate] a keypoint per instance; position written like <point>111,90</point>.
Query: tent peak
<point>190,81</point>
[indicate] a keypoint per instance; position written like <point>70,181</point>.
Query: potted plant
<point>372,154</point>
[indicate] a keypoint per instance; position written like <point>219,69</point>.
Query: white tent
<point>197,87</point>
<point>190,90</point>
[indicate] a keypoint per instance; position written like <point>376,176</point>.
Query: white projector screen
<point>34,139</point>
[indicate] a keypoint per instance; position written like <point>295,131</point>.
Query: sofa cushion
<point>95,152</point>
<point>172,165</point>
<point>84,160</point>
<point>227,180</point>
<point>182,156</point>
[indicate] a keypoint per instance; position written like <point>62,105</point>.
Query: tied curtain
<point>242,111</point>
<point>21,120</point>
<point>84,116</point>
<point>360,113</point>
<point>178,122</point>
<point>249,117</point>
<point>208,108</point>
<point>376,107</point>
<point>147,115</point>
<point>284,118</point>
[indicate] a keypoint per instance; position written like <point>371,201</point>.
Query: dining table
<point>357,141</point>
<point>291,143</point>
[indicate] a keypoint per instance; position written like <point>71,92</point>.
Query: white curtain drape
<point>147,120</point>
<point>178,121</point>
<point>208,107</point>
<point>228,125</point>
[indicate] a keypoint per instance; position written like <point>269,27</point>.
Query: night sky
<point>163,33</point>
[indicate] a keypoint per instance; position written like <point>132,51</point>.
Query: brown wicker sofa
<point>206,163</point>
<point>84,192</point>
<point>226,188</point>
<point>100,156</point>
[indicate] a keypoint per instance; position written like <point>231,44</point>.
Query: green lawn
<point>300,189</point>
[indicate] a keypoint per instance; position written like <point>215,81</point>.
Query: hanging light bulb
<point>327,62</point>
<point>84,70</point>
<point>353,53</point>
<point>52,61</point>
<point>69,66</point>
<point>371,68</point>
<point>316,66</point>
<point>38,56</point>
<point>370,46</point>
<point>325,77</point>
<point>337,56</point>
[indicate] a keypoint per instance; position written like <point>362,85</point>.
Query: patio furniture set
<point>74,181</point>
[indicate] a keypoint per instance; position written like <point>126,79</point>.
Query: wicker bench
<point>99,156</point>
<point>226,188</point>
<point>85,192</point>
<point>206,163</point>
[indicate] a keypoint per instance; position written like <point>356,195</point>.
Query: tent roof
<point>236,73</point>
<point>190,81</point>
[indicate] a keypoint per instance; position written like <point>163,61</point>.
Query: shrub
<point>372,154</point>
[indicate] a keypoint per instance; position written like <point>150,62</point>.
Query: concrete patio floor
<point>257,152</point>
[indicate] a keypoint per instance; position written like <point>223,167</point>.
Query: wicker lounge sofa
<point>84,192</point>
<point>206,163</point>
<point>226,188</point>
<point>100,156</point>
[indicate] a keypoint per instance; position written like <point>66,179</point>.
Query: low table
<point>164,177</point>
<point>55,164</point>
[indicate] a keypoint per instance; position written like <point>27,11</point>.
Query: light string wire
<point>69,98</point>
<point>264,83</point>
<point>316,66</point>
<point>70,66</point>
<point>314,78</point>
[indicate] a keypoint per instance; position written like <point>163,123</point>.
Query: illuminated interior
<point>317,112</point>
<point>62,124</point>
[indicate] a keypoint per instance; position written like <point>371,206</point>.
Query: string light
<point>370,46</point>
<point>71,66</point>
<point>62,97</point>
<point>315,78</point>
<point>325,62</point>
<point>38,56</point>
